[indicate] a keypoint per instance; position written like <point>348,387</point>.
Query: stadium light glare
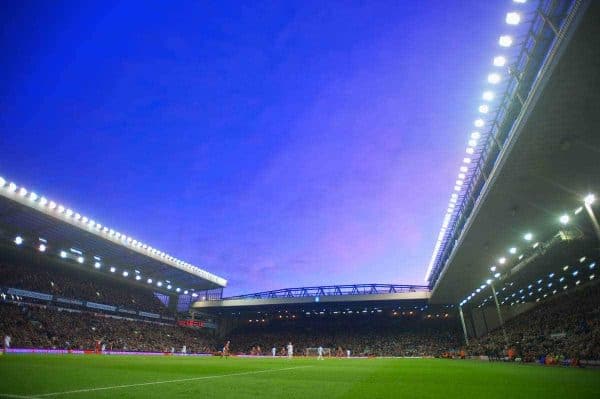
<point>473,143</point>
<point>185,292</point>
<point>494,78</point>
<point>582,259</point>
<point>493,269</point>
<point>69,213</point>
<point>63,254</point>
<point>2,182</point>
<point>520,1</point>
<point>113,269</point>
<point>22,191</point>
<point>499,61</point>
<point>505,41</point>
<point>502,260</point>
<point>466,160</point>
<point>578,210</point>
<point>484,108</point>
<point>479,122</point>
<point>488,281</point>
<point>159,284</point>
<point>513,250</point>
<point>564,219</point>
<point>149,281</point>
<point>177,289</point>
<point>513,18</point>
<point>12,187</point>
<point>138,277</point>
<point>464,169</point>
<point>18,240</point>
<point>475,136</point>
<point>97,265</point>
<point>42,248</point>
<point>528,236</point>
<point>169,286</point>
<point>589,199</point>
<point>125,273</point>
<point>80,259</point>
<point>33,196</point>
<point>488,95</point>
<point>194,295</point>
<point>43,201</point>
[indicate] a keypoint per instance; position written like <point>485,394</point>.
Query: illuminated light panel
<point>513,18</point>
<point>505,41</point>
<point>494,78</point>
<point>499,61</point>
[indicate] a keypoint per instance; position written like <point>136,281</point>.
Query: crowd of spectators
<point>564,327</point>
<point>79,284</point>
<point>45,327</point>
<point>372,337</point>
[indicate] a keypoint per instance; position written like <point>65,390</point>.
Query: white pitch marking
<point>206,377</point>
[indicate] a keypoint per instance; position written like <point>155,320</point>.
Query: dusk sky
<point>274,144</point>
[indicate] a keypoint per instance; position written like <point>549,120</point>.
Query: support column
<point>590,213</point>
<point>500,319</point>
<point>464,327</point>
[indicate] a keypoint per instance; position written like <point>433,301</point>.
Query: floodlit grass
<point>175,377</point>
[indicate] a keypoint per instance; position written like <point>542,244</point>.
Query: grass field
<point>47,376</point>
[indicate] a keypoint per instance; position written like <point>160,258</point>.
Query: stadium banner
<point>91,352</point>
<point>146,314</point>
<point>123,310</point>
<point>168,318</point>
<point>45,351</point>
<point>191,323</point>
<point>101,306</point>
<point>69,301</point>
<point>29,294</point>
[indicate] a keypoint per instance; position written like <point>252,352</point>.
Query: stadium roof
<point>339,296</point>
<point>50,227</point>
<point>544,173</point>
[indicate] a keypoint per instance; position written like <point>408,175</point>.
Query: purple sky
<point>276,145</point>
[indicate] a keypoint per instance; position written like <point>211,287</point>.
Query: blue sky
<point>276,144</point>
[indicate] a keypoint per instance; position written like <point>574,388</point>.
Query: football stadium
<point>508,304</point>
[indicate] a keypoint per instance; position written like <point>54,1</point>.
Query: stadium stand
<point>362,335</point>
<point>45,327</point>
<point>563,327</point>
<point>72,284</point>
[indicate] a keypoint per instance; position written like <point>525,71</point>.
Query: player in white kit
<point>274,351</point>
<point>290,350</point>
<point>6,343</point>
<point>320,351</point>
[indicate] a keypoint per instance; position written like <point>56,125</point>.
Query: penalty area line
<point>141,384</point>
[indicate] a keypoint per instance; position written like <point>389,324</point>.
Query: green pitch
<point>29,376</point>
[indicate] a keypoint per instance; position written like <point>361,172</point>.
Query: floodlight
<point>499,61</point>
<point>494,78</point>
<point>97,265</point>
<point>475,135</point>
<point>513,18</point>
<point>169,286</point>
<point>113,269</point>
<point>513,250</point>
<point>466,160</point>
<point>502,260</point>
<point>80,259</point>
<point>589,199</point>
<point>2,181</point>
<point>484,108</point>
<point>564,219</point>
<point>479,122</point>
<point>488,95</point>
<point>582,259</point>
<point>488,281</point>
<point>125,273</point>
<point>18,240</point>
<point>493,268</point>
<point>578,210</point>
<point>149,281</point>
<point>472,143</point>
<point>185,292</point>
<point>159,284</point>
<point>63,254</point>
<point>528,236</point>
<point>177,289</point>
<point>464,169</point>
<point>33,196</point>
<point>42,248</point>
<point>505,41</point>
<point>43,201</point>
<point>22,191</point>
<point>520,1</point>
